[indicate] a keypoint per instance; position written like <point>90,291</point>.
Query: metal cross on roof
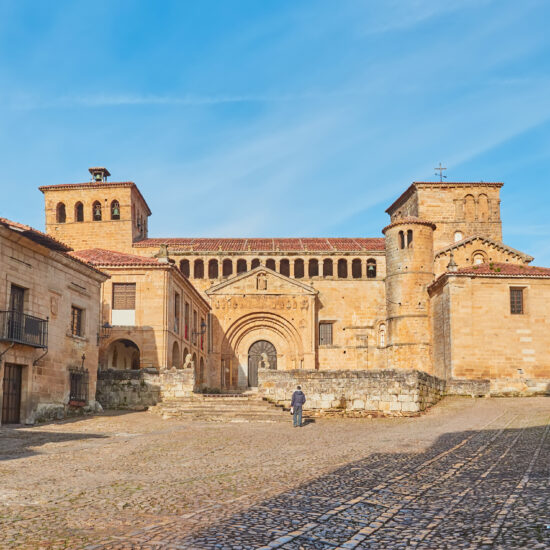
<point>440,170</point>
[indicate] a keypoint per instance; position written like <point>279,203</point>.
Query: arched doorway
<point>123,354</point>
<point>176,358</point>
<point>262,354</point>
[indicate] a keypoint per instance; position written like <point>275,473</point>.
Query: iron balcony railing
<point>23,329</point>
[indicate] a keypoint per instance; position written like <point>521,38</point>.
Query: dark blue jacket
<point>298,399</point>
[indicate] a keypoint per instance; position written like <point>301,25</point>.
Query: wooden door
<point>11,403</point>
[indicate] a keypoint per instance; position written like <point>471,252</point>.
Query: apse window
<point>325,334</point>
<point>516,301</point>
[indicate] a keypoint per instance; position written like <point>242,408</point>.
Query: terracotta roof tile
<point>108,258</point>
<point>266,245</point>
<point>35,235</point>
<point>504,270</point>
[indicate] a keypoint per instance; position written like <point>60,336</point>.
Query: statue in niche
<point>188,364</point>
<point>264,361</point>
<point>261,282</point>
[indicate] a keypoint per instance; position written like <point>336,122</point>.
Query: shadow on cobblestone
<point>16,443</point>
<point>471,489</point>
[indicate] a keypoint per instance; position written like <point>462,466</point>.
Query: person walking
<point>298,399</point>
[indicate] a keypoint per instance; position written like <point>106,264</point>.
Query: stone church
<point>438,297</point>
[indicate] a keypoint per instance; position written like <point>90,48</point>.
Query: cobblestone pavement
<point>467,474</point>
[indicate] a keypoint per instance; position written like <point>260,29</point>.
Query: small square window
<point>325,334</point>
<point>516,301</point>
<point>77,325</point>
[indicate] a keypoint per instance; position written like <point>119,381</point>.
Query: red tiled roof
<point>267,245</point>
<point>45,240</point>
<point>35,235</point>
<point>409,190</point>
<point>109,258</point>
<point>503,270</point>
<point>473,183</point>
<point>95,185</point>
<point>408,220</point>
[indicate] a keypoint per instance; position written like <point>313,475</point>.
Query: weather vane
<point>440,170</point>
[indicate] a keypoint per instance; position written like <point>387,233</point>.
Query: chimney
<point>99,173</point>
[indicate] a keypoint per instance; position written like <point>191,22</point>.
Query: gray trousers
<point>297,416</point>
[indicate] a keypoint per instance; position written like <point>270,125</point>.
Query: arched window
<point>313,268</point>
<point>401,239</point>
<point>115,210</point>
<point>255,263</point>
<point>382,335</point>
<point>356,270</point>
<point>227,268</point>
<point>409,238</point>
<point>458,236</point>
<point>213,269</point>
<point>284,268</point>
<point>298,269</point>
<point>469,208</point>
<point>176,358</point>
<point>483,208</point>
<point>342,268</point>
<point>184,267</point>
<point>327,268</point>
<point>241,266</point>
<point>96,211</point>
<point>79,212</point>
<point>371,268</point>
<point>198,270</point>
<point>478,258</point>
<point>60,213</point>
<point>270,264</point>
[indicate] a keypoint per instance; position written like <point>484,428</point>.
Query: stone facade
<point>40,343</point>
<point>478,338</point>
<point>413,301</point>
<point>163,327</point>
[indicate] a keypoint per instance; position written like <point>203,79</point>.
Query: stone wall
<point>388,391</point>
<point>139,389</point>
<point>53,283</point>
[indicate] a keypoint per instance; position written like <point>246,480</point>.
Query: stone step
<point>221,408</point>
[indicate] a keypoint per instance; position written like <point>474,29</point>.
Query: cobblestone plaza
<point>467,474</point>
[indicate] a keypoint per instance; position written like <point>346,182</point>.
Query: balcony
<point>24,329</point>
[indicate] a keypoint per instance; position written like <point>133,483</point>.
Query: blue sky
<point>278,118</point>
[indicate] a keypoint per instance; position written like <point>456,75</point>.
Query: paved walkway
<point>468,474</point>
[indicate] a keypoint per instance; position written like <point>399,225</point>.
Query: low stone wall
<point>519,387</point>
<point>139,389</point>
<point>500,387</point>
<point>388,391</point>
<point>472,388</point>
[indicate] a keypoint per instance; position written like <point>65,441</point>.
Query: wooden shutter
<point>124,295</point>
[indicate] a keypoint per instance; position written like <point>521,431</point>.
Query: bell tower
<point>409,272</point>
<point>96,214</point>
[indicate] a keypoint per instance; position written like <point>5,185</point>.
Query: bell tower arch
<point>96,214</point>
